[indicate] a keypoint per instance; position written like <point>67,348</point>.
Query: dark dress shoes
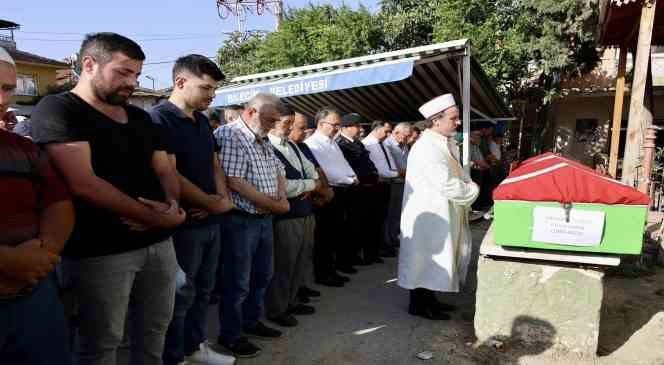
<point>330,281</point>
<point>302,310</point>
<point>284,320</point>
<point>428,312</point>
<point>347,269</point>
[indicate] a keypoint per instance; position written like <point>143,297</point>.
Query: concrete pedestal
<point>543,304</point>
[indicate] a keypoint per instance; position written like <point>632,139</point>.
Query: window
<point>585,130</point>
<point>26,85</point>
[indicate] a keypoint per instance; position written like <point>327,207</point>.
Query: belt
<point>245,214</point>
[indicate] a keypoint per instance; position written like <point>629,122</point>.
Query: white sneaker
<point>489,214</point>
<point>206,355</point>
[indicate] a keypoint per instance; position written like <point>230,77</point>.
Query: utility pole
<point>151,79</point>
<point>279,12</point>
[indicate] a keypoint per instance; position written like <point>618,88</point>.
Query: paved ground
<point>366,322</point>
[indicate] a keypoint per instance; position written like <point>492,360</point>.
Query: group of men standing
<point>156,207</point>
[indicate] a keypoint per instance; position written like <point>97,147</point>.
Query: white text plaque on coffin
<point>583,228</point>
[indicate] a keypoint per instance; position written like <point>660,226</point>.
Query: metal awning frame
<point>459,50</point>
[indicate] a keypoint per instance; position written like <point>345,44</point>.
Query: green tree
<point>408,23</point>
<point>314,34</point>
<point>237,56</point>
<point>524,46</point>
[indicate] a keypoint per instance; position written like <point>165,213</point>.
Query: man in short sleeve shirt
<point>257,182</point>
<point>126,198</point>
<point>204,195</point>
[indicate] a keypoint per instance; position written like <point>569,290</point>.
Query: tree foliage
<point>524,46</point>
<point>314,34</point>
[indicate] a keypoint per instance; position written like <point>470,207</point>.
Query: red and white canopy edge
<point>552,178</point>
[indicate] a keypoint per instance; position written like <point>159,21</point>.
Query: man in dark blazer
<point>362,197</point>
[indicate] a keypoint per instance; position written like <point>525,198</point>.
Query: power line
<point>172,61</point>
<point>137,40</point>
<point>129,34</point>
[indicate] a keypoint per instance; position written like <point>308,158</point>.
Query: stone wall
<point>543,305</point>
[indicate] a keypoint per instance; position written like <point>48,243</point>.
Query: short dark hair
<point>286,111</point>
<point>101,47</point>
<point>197,65</point>
<point>325,111</point>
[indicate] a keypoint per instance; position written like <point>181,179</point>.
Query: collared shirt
<point>399,153</point>
<point>387,168</point>
<point>302,164</point>
<point>244,156</point>
<point>331,160</point>
<point>191,141</point>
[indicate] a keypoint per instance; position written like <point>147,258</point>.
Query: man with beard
<point>126,193</point>
<point>435,236</point>
<point>204,195</point>
<point>257,182</point>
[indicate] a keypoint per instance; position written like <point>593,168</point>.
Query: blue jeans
<point>33,329</point>
<point>248,265</point>
<point>197,252</point>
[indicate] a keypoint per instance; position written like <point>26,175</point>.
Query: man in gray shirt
<point>397,145</point>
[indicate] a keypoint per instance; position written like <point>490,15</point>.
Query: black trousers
<point>329,234</point>
<point>367,210</point>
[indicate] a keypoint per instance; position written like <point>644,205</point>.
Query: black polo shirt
<point>193,144</point>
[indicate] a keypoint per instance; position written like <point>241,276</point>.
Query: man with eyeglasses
<point>331,218</point>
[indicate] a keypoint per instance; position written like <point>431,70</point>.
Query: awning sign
<point>364,75</point>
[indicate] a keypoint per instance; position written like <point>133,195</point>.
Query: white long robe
<point>435,235</point>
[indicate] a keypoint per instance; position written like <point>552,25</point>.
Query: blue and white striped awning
<point>388,86</point>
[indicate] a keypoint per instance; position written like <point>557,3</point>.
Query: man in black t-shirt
<point>204,195</point>
<point>126,193</point>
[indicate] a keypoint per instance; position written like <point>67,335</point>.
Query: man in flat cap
<point>435,235</point>
<point>361,204</point>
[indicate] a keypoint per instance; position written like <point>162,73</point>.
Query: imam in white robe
<point>435,235</point>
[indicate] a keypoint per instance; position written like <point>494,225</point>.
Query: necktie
<point>387,158</point>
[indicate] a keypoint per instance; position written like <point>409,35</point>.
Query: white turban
<point>437,105</point>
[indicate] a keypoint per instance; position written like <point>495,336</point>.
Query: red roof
<point>549,177</point>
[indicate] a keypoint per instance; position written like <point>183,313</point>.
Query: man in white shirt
<point>378,153</point>
<point>331,217</point>
<point>397,144</point>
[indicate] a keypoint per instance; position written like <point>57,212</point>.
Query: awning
<point>388,86</point>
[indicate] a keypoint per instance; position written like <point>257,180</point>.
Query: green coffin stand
<point>623,226</point>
